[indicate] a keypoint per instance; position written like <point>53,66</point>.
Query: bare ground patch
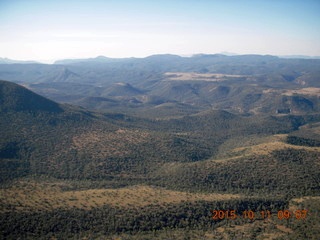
<point>191,76</point>
<point>312,91</point>
<point>35,196</point>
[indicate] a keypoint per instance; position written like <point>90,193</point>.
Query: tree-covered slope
<point>94,174</point>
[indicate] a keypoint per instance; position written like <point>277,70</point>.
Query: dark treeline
<point>74,223</point>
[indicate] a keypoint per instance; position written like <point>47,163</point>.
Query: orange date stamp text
<point>264,214</point>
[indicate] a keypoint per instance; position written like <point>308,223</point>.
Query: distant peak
<point>101,57</point>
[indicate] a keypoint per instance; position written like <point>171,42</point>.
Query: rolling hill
<point>246,84</point>
<point>52,139</point>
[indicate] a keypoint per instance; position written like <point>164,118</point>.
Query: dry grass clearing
<point>311,91</point>
<point>191,76</point>
<point>296,203</point>
<point>300,200</point>
<point>38,196</point>
<point>276,143</point>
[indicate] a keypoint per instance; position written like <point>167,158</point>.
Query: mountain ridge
<point>101,58</point>
<point>14,97</point>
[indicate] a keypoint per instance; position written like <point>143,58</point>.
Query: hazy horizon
<point>46,31</point>
<point>52,61</point>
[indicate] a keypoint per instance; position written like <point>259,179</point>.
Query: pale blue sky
<point>56,29</point>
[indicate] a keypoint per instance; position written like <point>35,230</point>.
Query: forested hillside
<point>165,150</point>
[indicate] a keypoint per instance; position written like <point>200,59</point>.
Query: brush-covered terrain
<point>153,157</point>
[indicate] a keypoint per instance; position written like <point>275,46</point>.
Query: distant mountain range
<point>103,59</point>
<point>246,84</point>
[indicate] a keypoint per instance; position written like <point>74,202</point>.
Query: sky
<point>47,30</point>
